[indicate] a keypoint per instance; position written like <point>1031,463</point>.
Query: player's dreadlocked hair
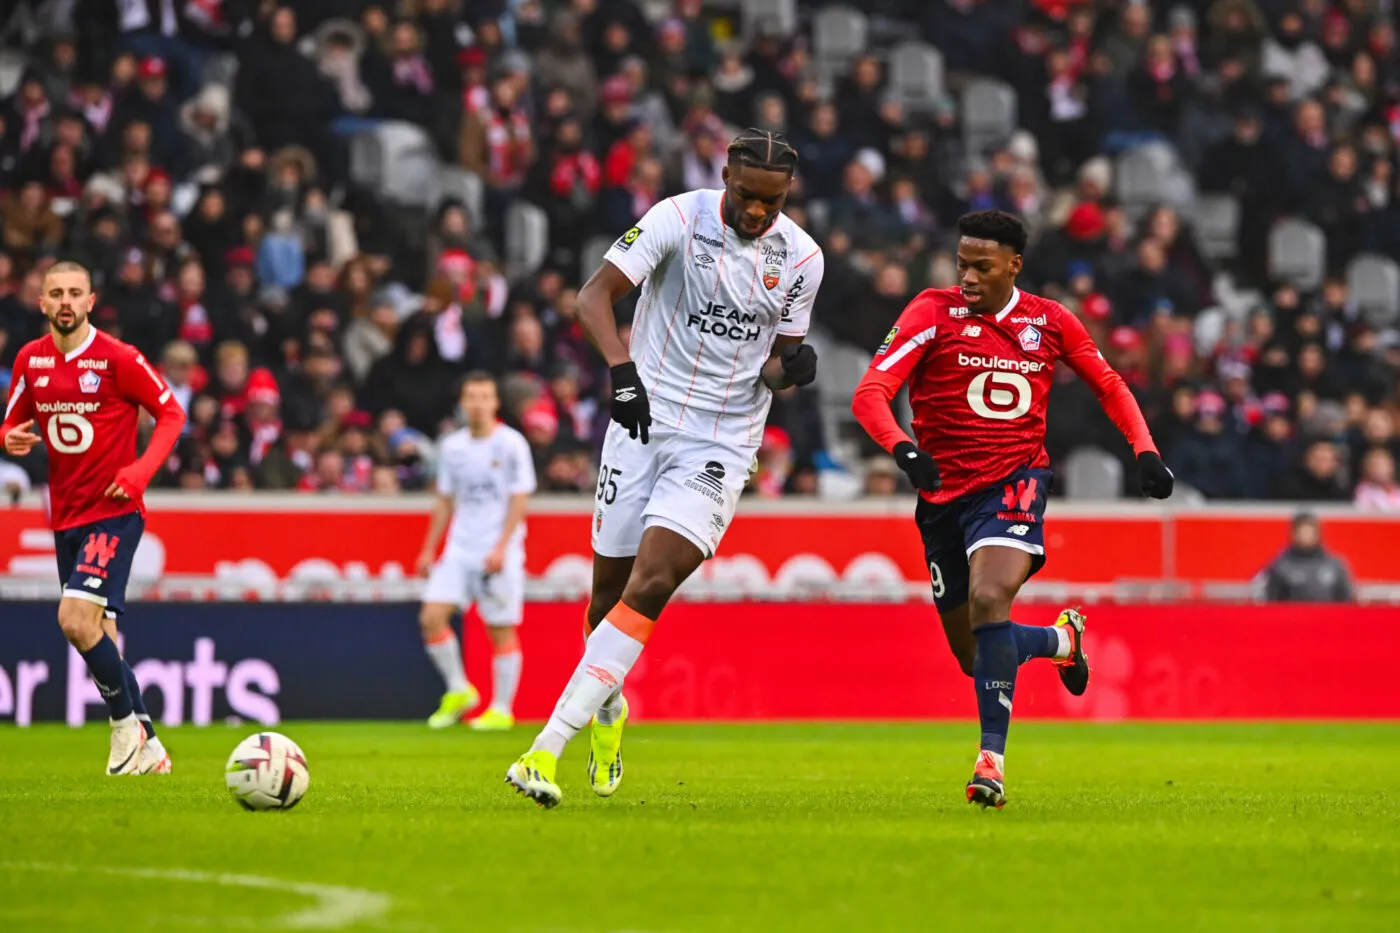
<point>997,226</point>
<point>763,149</point>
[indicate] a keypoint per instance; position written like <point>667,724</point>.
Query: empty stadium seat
<point>1092,473</point>
<point>988,114</point>
<point>592,255</point>
<point>398,162</point>
<point>769,17</point>
<point>1374,282</point>
<point>1297,253</point>
<point>916,75</point>
<point>1215,220</point>
<point>1208,328</point>
<point>838,34</point>
<point>12,62</point>
<point>527,239</point>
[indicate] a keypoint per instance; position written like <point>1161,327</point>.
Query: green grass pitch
<point>718,828</point>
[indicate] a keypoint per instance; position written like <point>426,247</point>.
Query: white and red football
<point>267,771</point>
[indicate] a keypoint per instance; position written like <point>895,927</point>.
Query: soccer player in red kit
<point>85,391</point>
<point>979,362</point>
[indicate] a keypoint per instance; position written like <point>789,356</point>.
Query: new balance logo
<point>1018,530</point>
<point>41,382</point>
<point>972,330</point>
<point>92,583</point>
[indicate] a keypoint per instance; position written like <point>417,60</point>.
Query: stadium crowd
<point>315,333</point>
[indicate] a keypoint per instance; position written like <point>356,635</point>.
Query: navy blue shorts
<point>94,561</point>
<point>1010,513</point>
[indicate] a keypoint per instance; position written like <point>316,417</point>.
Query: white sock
<point>446,655</point>
<point>505,678</point>
<point>1062,652</point>
<point>611,710</point>
<point>607,658</point>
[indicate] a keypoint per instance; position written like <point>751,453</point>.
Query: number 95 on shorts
<point>690,485</point>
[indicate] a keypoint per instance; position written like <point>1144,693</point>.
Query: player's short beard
<point>65,329</point>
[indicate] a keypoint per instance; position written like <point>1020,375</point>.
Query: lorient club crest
<point>1029,338</point>
<point>89,381</point>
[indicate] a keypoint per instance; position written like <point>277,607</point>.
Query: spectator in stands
<point>1305,572</point>
<point>1209,457</point>
<point>1378,490</point>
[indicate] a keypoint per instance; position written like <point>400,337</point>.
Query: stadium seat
<point>838,34</point>
<point>220,69</point>
<point>12,63</point>
<point>769,18</point>
<point>1297,253</point>
<point>1141,176</point>
<point>1216,222</point>
<point>397,161</point>
<point>1092,473</point>
<point>592,256</point>
<point>988,114</point>
<point>458,184</point>
<point>1374,282</point>
<point>916,75</point>
<point>1209,327</point>
<point>527,239</point>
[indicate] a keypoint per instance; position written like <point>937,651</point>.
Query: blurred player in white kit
<point>729,286</point>
<point>484,481</point>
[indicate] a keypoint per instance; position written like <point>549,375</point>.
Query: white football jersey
<point>481,474</point>
<point>711,308</point>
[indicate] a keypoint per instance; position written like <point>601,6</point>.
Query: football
<point>267,771</point>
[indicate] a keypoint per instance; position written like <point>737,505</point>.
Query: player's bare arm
<point>515,514</point>
<point>596,300</point>
<point>437,525</point>
<point>792,363</point>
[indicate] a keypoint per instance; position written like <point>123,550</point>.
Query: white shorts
<point>498,597</point>
<point>688,484</point>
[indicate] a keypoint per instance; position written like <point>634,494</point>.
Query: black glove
<point>800,364</point>
<point>1153,475</point>
<point>918,466</point>
<point>630,407</point>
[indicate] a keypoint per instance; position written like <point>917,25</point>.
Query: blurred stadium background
<point>318,214</point>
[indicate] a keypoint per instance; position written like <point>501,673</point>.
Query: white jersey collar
<point>82,347</point>
<point>1015,299</point>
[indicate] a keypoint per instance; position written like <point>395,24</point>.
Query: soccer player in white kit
<point>728,283</point>
<point>484,481</point>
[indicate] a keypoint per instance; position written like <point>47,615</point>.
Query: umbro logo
<point>704,259</point>
<point>625,394</point>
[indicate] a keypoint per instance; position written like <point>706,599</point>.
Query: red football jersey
<point>85,405</point>
<point>979,385</point>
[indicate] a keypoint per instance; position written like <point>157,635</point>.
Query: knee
<point>989,603</point>
<point>433,619</point>
<point>650,589</point>
<point>81,623</point>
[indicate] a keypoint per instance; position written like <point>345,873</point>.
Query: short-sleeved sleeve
<point>654,239</point>
<point>446,485</point>
<point>802,293</point>
<point>909,339</point>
